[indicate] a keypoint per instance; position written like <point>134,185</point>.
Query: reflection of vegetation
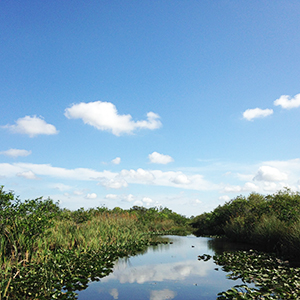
<point>273,278</point>
<point>272,220</point>
<point>222,244</point>
<point>49,253</point>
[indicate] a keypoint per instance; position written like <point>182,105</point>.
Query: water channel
<point>166,271</point>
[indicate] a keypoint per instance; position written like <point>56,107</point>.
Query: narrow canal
<point>165,271</point>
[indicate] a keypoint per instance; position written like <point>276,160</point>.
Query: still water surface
<point>165,271</point>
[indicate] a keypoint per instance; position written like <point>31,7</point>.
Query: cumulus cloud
<point>128,198</point>
<point>158,158</point>
<point>104,116</point>
<point>116,183</point>
<point>138,203</point>
<point>116,161</point>
<point>32,126</point>
<point>286,102</point>
<point>232,189</point>
<point>267,173</point>
<point>251,114</point>
<point>147,200</point>
<point>224,198</point>
<point>27,175</point>
<point>91,196</point>
<point>181,179</point>
<point>138,175</point>
<point>270,186</point>
<point>16,152</point>
<point>250,186</point>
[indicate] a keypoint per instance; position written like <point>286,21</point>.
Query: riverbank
<point>271,221</point>
<point>49,253</point>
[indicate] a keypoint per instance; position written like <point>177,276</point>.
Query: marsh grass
<point>49,253</point>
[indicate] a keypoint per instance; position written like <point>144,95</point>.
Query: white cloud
<point>112,179</point>
<point>57,172</point>
<point>224,198</point>
<point>117,183</point>
<point>232,189</point>
<point>286,102</point>
<point>181,179</point>
<point>91,196</point>
<point>128,198</point>
<point>27,175</point>
<point>270,186</point>
<point>32,126</point>
<point>111,196</point>
<point>147,200</point>
<point>267,173</point>
<point>195,202</point>
<point>16,152</point>
<point>116,161</point>
<point>158,158</point>
<point>244,177</point>
<point>247,187</point>
<point>61,187</point>
<point>250,186</point>
<point>158,177</point>
<point>140,175</point>
<point>138,203</point>
<point>251,114</point>
<point>104,116</point>
<point>78,193</point>
<point>124,198</point>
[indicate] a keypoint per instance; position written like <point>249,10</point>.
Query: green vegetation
<point>272,221</point>
<point>273,278</point>
<point>49,253</point>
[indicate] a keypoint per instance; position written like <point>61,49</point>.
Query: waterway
<point>166,271</point>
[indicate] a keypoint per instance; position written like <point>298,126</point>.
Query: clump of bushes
<point>272,220</point>
<point>22,224</point>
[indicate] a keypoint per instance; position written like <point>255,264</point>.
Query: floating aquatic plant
<point>264,276</point>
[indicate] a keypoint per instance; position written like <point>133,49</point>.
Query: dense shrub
<point>272,220</point>
<point>21,223</point>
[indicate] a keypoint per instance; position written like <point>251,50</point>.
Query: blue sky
<point>180,104</point>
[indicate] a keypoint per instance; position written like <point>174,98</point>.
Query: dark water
<point>166,271</point>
